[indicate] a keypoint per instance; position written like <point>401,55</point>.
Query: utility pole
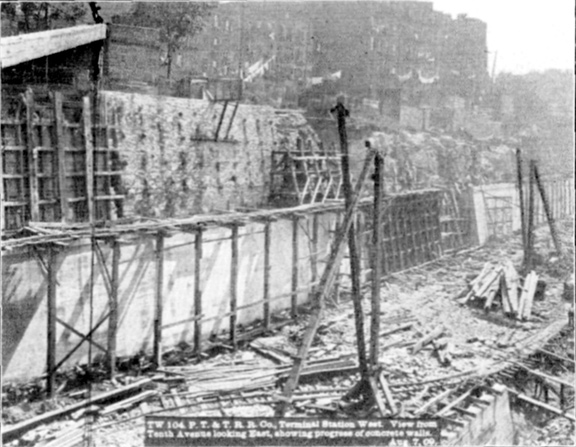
<point>341,114</point>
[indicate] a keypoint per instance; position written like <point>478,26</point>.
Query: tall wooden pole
<point>520,187</point>
<point>234,286</point>
<point>530,223</point>
<point>51,305</point>
<point>376,258</point>
<point>341,114</point>
<point>159,255</point>
<point>547,210</point>
<point>113,321</point>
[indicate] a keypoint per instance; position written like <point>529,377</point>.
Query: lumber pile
<point>12,432</point>
<point>219,379</point>
<point>499,286</point>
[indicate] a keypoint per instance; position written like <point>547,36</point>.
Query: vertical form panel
<point>267,236</point>
<point>234,286</point>
<point>89,147</point>
<point>32,143</point>
<point>61,148</point>
<point>198,292</point>
<point>113,321</point>
<point>159,255</point>
<point>51,306</point>
<point>294,295</point>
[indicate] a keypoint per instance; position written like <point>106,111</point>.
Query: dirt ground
<point>482,342</point>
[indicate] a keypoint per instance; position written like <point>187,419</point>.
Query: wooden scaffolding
<point>308,174</point>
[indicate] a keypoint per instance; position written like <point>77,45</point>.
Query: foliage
<point>26,17</point>
<point>176,21</point>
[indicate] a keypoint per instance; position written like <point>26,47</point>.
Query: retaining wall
<point>492,423</point>
<point>497,207</point>
<point>298,248</point>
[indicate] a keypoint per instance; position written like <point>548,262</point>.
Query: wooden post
<point>530,223</point>
<point>89,146</point>
<point>520,186</point>
<point>314,257</point>
<point>547,211</point>
<point>159,254</point>
<point>267,275</point>
<point>113,320</point>
<point>62,184</point>
<point>295,254</point>
<point>198,292</point>
<point>32,143</point>
<point>234,286</point>
<point>322,291</point>
<point>376,259</point>
<point>51,306</point>
<point>341,114</point>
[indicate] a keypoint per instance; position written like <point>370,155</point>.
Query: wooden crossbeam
<point>80,334</point>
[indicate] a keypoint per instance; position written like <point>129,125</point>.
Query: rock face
<point>188,156</point>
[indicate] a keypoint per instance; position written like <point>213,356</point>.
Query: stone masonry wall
<point>173,165</point>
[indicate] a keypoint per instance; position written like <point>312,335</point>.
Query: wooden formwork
<point>259,263</point>
<point>59,157</point>
<point>411,230</point>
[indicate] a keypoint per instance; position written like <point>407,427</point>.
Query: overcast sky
<point>527,34</point>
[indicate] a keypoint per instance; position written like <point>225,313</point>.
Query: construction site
<point>177,248</point>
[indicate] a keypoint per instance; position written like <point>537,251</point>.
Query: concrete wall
<point>492,425</point>
<point>24,290</point>
<point>173,165</point>
<point>497,207</point>
<point>415,239</point>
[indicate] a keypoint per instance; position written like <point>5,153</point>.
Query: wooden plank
<point>434,400</point>
<point>542,405</point>
<point>377,396</point>
<point>81,335</point>
<point>159,283</point>
<point>511,278</point>
<point>51,331</point>
<point>83,339</point>
<point>267,240</point>
<point>15,50</point>
<point>295,255</point>
<point>113,321</point>
<point>427,339</point>
<point>454,403</point>
<point>234,286</point>
<point>11,432</point>
<point>32,144</point>
<point>89,146</point>
<point>527,311</point>
<point>198,291</point>
<point>388,394</point>
<point>62,184</point>
<point>530,221</point>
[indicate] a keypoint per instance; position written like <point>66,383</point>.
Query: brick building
<point>370,49</point>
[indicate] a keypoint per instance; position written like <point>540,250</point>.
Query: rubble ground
<point>414,303</point>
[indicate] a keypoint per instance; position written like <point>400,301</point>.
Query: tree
<point>176,22</point>
<point>27,17</point>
